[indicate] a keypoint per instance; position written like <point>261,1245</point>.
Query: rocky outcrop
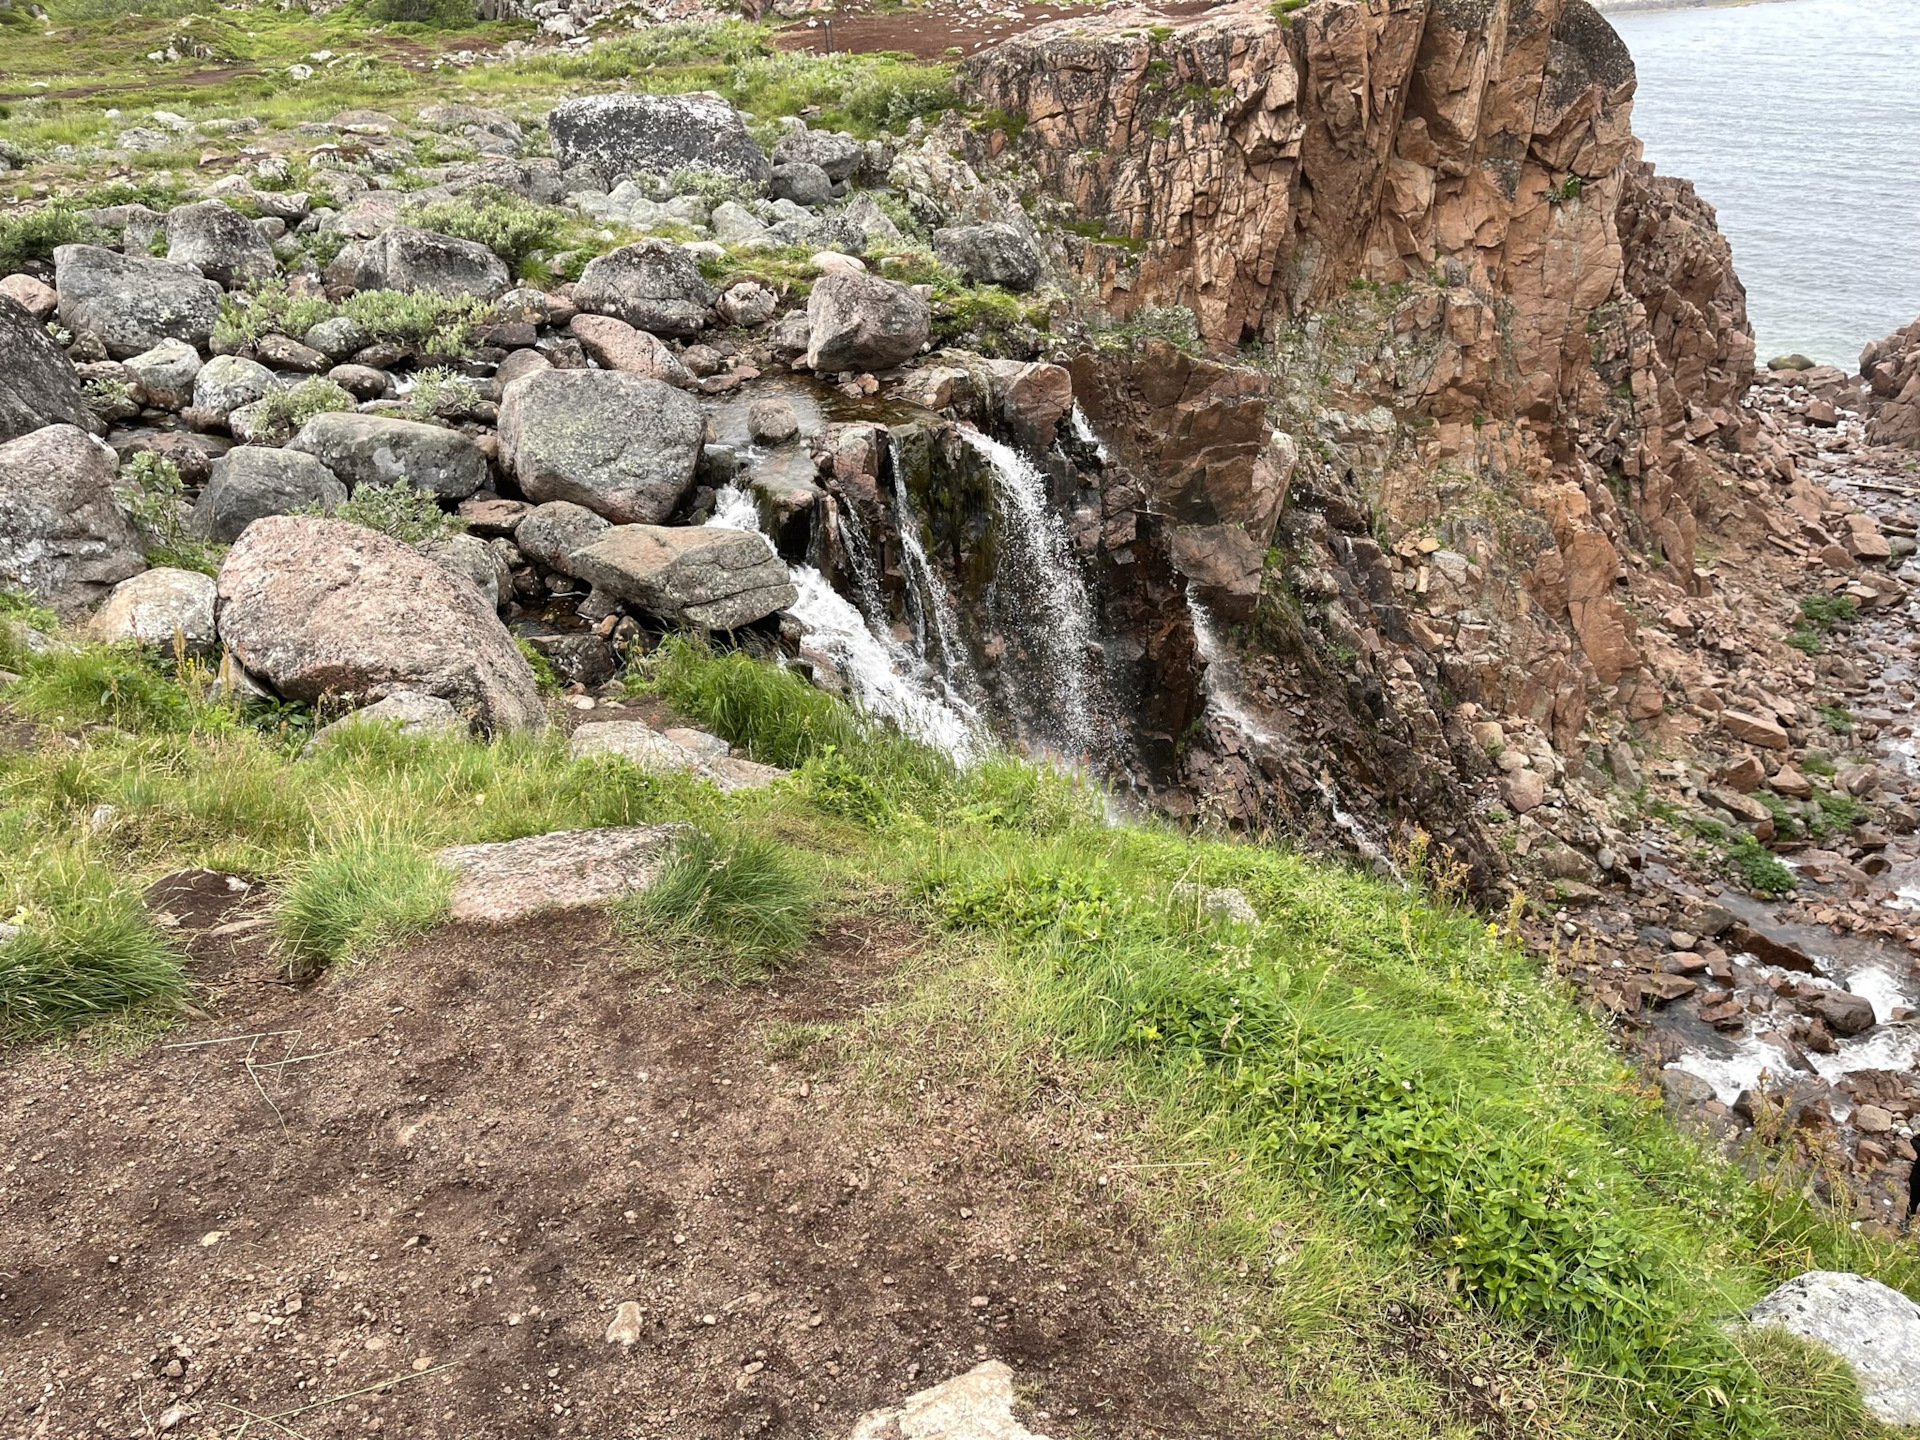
<point>63,537</point>
<point>38,385</point>
<point>656,133</point>
<point>133,302</point>
<point>1891,368</point>
<point>327,611</point>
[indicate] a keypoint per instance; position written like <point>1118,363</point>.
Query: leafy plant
<point>281,413</point>
<point>109,400</point>
<point>511,226</point>
<point>397,509</point>
<point>1756,867</point>
<point>1836,718</point>
<point>433,325</point>
<point>439,392</point>
<point>1828,611</point>
<point>152,493</point>
<point>19,605</point>
<point>34,234</point>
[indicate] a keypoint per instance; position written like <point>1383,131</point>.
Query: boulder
<point>771,421</point>
<point>473,560</point>
<point>227,382</point>
<point>322,609</point>
<point>975,1406</point>
<point>407,711</point>
<point>733,224</point>
<point>1754,729</point>
<point>220,242</point>
<point>550,533</point>
<point>133,302</point>
<point>403,258</point>
<point>38,384</point>
<point>631,740</point>
<point>624,446</point>
<point>658,133</point>
<point>989,255</point>
<point>378,450</point>
<point>837,155</point>
<point>163,377</point>
<point>802,182</point>
<point>1033,399</point>
<point>747,303</point>
<point>1871,1326</point>
<point>251,481</point>
<point>652,285</point>
<point>155,605</point>
<point>699,575</point>
<point>63,538</point>
<point>560,870</point>
<point>339,339</point>
<point>37,299</point>
<point>1844,1012</point>
<point>859,322</point>
<point>616,345</point>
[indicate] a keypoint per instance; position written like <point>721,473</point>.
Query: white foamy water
<point>1797,121</point>
<point>886,677</point>
<point>1043,598</point>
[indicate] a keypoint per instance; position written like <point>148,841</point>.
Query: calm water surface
<point>1799,120</point>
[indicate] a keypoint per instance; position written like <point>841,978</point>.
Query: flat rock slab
<point>691,750</point>
<point>975,1406</point>
<point>556,871</point>
<point>1871,1326</point>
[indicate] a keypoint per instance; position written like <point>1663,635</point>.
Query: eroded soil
<point>410,1200</point>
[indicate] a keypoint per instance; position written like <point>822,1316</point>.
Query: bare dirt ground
<point>409,1201</point>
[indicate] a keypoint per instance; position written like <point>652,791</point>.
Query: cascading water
<point>1038,595</point>
<point>887,678</point>
<point>934,617</point>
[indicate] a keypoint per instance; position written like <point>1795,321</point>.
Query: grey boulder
<point>164,376</point>
<point>406,712</point>
<point>321,609</point>
<point>154,606</point>
<point>624,446</point>
<point>989,255</point>
<point>227,382</point>
<point>837,155</point>
<point>860,322</point>
<point>220,242</point>
<point>473,560</point>
<point>133,302</point>
<point>802,182</point>
<point>716,578</point>
<point>653,285</point>
<point>403,258</point>
<point>63,537</point>
<point>1871,1326</point>
<point>38,384</point>
<point>550,533</point>
<point>658,133</point>
<point>250,482</point>
<point>561,870</point>
<point>380,450</point>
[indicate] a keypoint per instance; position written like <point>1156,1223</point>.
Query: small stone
<point>626,1328</point>
<point>1872,1120</point>
<point>1525,789</point>
<point>1683,940</point>
<point>772,422</point>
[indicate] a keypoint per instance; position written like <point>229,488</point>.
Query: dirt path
<point>447,1171</point>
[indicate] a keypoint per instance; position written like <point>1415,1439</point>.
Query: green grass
<point>1372,1099</point>
<point>1828,611</point>
<point>33,234</point>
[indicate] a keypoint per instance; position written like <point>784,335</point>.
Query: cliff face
<point>1427,263</point>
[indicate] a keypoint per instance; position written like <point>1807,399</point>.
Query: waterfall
<point>886,677</point>
<point>1221,683</point>
<point>934,615</point>
<point>1083,431</point>
<point>1038,594</point>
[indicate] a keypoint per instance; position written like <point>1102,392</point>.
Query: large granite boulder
<point>403,258</point>
<point>659,133</point>
<point>220,242</point>
<point>860,322</point>
<point>716,578</point>
<point>133,302</point>
<point>550,533</point>
<point>227,382</point>
<point>63,538</point>
<point>38,384</point>
<point>1871,1326</point>
<point>252,481</point>
<point>624,446</point>
<point>989,255</point>
<point>653,285</point>
<point>154,606</point>
<point>321,609</point>
<point>379,450</point>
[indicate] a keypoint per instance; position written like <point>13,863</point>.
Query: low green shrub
<point>1756,867</point>
<point>19,605</point>
<point>366,893</point>
<point>33,234</point>
<point>729,904</point>
<point>1829,611</point>
<point>430,14</point>
<point>507,224</point>
<point>438,326</point>
<point>154,496</point>
<point>87,950</point>
<point>439,392</point>
<point>281,413</point>
<point>396,509</point>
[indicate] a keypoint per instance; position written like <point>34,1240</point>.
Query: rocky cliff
<point>1439,300</point>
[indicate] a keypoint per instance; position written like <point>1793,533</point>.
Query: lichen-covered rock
<point>133,302</point>
<point>860,322</point>
<point>989,255</point>
<point>624,446</point>
<point>154,606</point>
<point>404,258</point>
<point>836,154</point>
<point>380,450</point>
<point>550,533</point>
<point>323,609</point>
<point>38,384</point>
<point>227,382</point>
<point>801,182</point>
<point>63,538</point>
<point>220,242</point>
<point>253,481</point>
<point>653,285</point>
<point>406,711</point>
<point>1871,1326</point>
<point>617,345</point>
<point>715,578</point>
<point>657,133</point>
<point>164,376</point>
<point>560,870</point>
<point>474,560</point>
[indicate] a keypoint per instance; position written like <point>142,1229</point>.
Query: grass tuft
<point>365,894</point>
<point>729,904</point>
